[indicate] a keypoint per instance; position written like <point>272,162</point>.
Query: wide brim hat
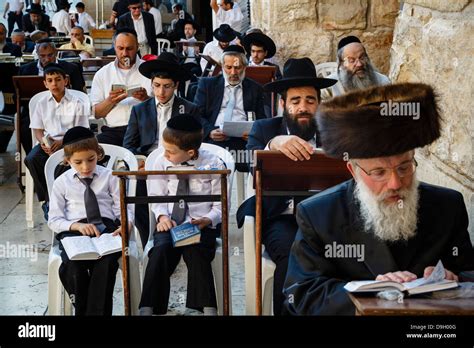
<point>298,72</point>
<point>267,42</point>
<point>167,63</point>
<point>224,33</point>
<point>35,9</point>
<point>370,123</point>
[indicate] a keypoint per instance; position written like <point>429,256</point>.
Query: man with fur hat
<point>402,226</point>
<point>354,69</point>
<point>295,135</point>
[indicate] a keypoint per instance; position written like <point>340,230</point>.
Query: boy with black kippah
<point>182,139</point>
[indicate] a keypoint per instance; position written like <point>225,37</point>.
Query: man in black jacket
<point>36,19</point>
<point>47,54</point>
<point>295,135</point>
<point>384,224</point>
<point>144,24</point>
<point>8,47</point>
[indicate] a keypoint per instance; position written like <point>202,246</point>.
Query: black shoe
<point>45,208</point>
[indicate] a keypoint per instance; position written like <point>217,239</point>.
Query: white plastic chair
<point>58,299</point>
<point>216,264</point>
<point>88,39</point>
<point>268,266</point>
<point>326,69</point>
<point>163,45</point>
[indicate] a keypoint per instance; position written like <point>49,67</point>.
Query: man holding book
<point>405,226</point>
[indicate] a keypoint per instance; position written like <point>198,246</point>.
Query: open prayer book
<point>130,89</point>
<point>236,128</point>
<point>87,248</point>
<point>434,282</point>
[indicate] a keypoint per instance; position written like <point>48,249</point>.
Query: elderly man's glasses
<point>405,169</point>
<point>352,60</point>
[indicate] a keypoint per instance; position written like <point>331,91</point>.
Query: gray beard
<point>389,222</point>
<point>352,82</point>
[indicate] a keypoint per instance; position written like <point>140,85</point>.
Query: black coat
<point>28,27</point>
<point>209,96</point>
<point>73,70</point>
<point>143,124</point>
<point>13,49</point>
<point>315,282</point>
<point>126,20</point>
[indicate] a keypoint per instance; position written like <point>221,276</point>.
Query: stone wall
<point>434,43</point>
<point>313,28</point>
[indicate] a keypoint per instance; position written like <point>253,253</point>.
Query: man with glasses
<point>354,69</point>
<point>144,25</point>
<point>403,226</point>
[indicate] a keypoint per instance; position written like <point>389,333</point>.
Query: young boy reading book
<point>85,201</point>
<point>182,139</point>
<point>57,110</point>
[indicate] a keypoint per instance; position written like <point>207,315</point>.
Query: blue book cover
<point>185,234</point>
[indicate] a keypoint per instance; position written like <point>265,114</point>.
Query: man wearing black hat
<point>295,135</point>
<point>223,35</point>
<point>229,97</point>
<point>354,69</point>
<point>36,19</point>
<point>402,227</point>
<point>148,119</point>
<point>144,25</point>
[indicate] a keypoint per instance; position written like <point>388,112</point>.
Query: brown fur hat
<point>379,121</point>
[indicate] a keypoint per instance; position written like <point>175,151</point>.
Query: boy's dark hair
<point>84,145</point>
<point>185,140</point>
<point>164,75</point>
<point>53,69</point>
<point>179,7</point>
<point>149,2</point>
<point>80,5</point>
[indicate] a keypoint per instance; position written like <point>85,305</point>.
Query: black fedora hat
<point>261,38</point>
<point>225,33</point>
<point>167,63</point>
<point>35,9</point>
<point>298,73</point>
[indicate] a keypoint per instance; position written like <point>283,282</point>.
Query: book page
<point>80,248</point>
<point>107,244</point>
<point>237,128</point>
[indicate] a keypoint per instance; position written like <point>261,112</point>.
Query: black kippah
<point>184,122</point>
<point>234,48</point>
<point>77,133</point>
<point>346,41</point>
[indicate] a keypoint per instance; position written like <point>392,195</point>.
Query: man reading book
<point>181,141</point>
<point>405,226</point>
<point>85,200</point>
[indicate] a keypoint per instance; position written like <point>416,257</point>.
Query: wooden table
<point>371,305</point>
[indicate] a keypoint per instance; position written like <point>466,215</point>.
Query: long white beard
<point>389,221</point>
<point>352,82</point>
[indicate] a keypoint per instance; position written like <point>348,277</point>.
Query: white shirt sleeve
<point>36,121</point>
<point>57,205</point>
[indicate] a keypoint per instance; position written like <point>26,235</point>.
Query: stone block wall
<point>313,28</point>
<point>433,43</point>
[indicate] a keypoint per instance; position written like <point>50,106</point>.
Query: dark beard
<point>306,132</point>
<point>352,82</point>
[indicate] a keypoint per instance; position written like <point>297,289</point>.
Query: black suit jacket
<point>28,27</point>
<point>73,70</point>
<point>29,47</point>
<point>13,49</point>
<point>209,96</point>
<point>143,124</point>
<point>149,21</point>
<point>315,282</point>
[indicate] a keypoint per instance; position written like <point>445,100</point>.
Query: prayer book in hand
<point>87,248</point>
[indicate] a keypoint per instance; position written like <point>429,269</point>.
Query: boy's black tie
<point>179,208</point>
<point>90,201</point>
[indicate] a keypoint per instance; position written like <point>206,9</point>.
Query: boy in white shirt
<point>55,111</point>
<point>85,200</point>
<point>182,139</point>
<point>85,20</point>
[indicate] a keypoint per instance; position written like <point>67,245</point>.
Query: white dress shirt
<point>86,21</point>
<point>139,25</point>
<point>158,22</point>
<point>66,205</point>
<point>163,113</point>
<point>62,22</point>
<point>102,85</point>
<point>211,49</point>
<point>204,185</point>
<point>239,113</point>
<point>232,17</point>
<point>15,5</point>
<point>55,118</point>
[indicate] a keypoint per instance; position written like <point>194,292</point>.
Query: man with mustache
<point>354,69</point>
<point>404,225</point>
<point>229,97</point>
<point>295,135</point>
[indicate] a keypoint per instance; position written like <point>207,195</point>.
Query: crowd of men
<point>339,113</point>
